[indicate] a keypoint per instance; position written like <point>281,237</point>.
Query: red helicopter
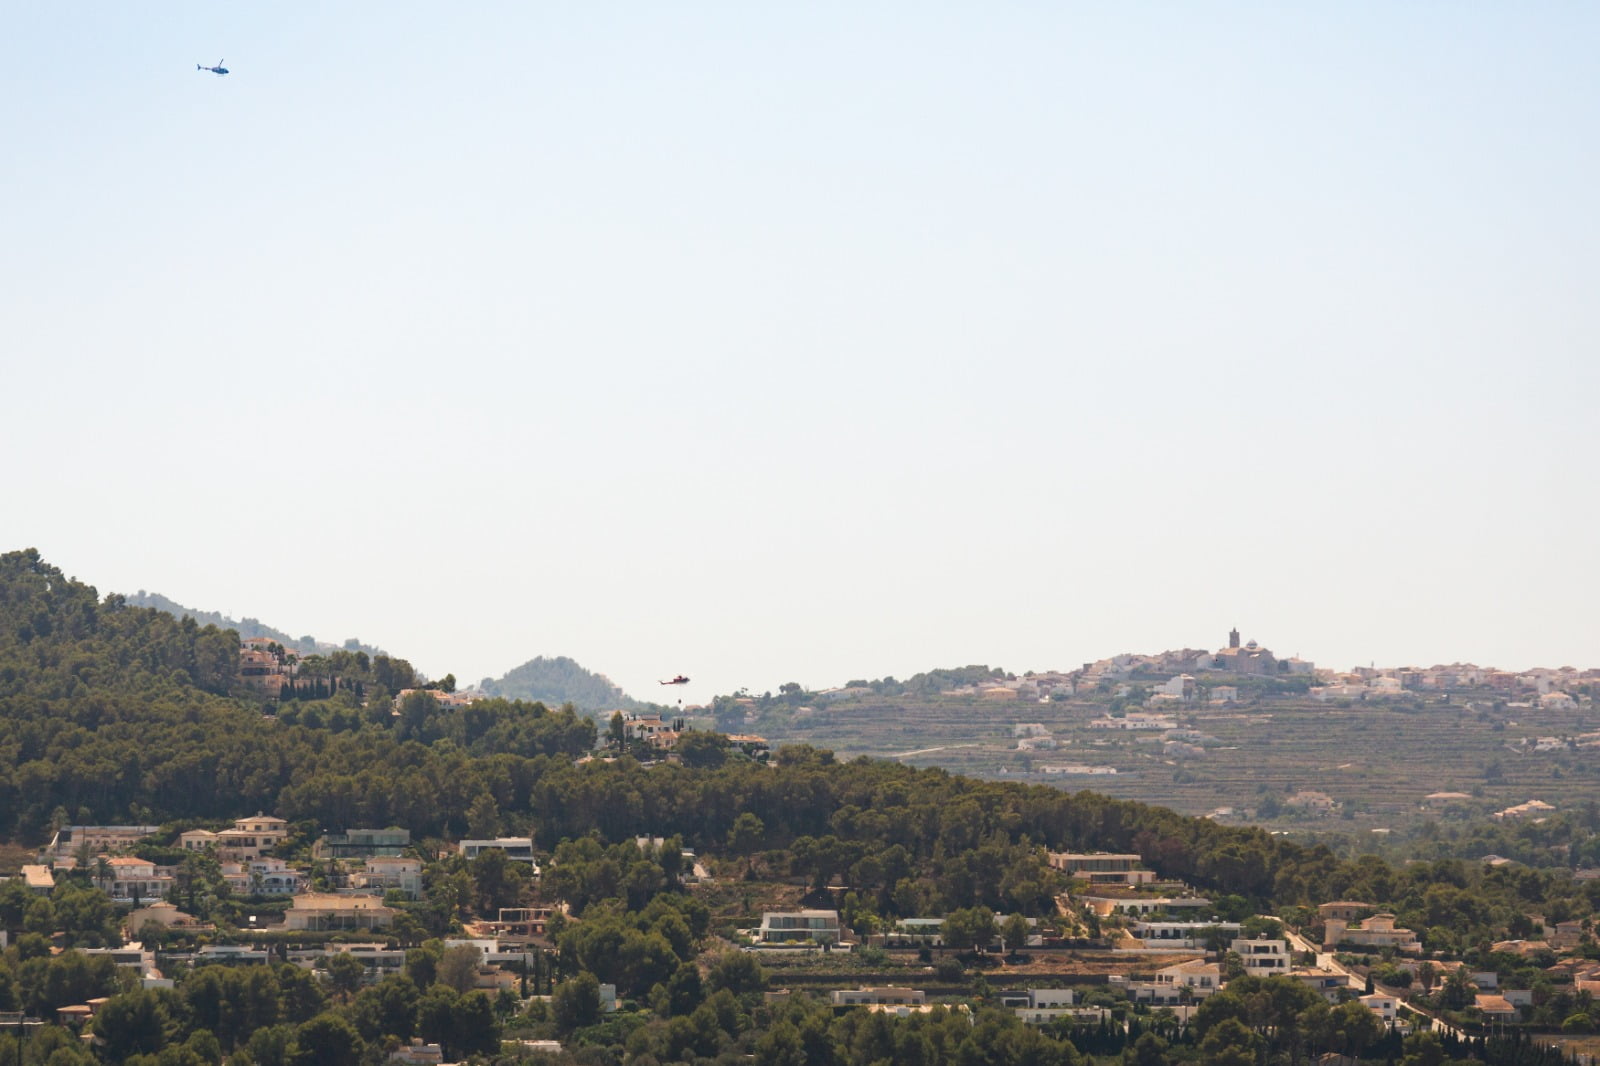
<point>679,680</point>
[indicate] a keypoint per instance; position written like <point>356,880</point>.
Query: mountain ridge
<point>247,628</point>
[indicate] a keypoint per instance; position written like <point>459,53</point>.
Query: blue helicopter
<point>218,70</point>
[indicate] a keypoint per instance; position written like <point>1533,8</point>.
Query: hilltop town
<point>1238,734</point>
<point>1189,674</point>
<point>1198,674</point>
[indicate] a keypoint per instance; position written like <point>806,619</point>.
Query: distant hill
<point>246,627</point>
<point>559,680</point>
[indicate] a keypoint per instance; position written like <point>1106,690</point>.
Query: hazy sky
<point>813,342</point>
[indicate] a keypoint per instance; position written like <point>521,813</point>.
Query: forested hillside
<point>560,680</point>
<point>111,713</point>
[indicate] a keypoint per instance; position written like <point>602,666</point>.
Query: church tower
<point>1233,638</point>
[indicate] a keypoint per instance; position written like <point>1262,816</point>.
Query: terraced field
<point>1376,760</point>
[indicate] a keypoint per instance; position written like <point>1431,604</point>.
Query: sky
<point>769,343</point>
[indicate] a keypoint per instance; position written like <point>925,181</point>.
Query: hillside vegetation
<point>111,713</point>
<point>559,680</point>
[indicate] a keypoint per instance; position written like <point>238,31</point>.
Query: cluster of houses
<point>1238,658</point>
<point>1575,742</point>
<point>1114,886</point>
<point>265,666</point>
<point>359,874</point>
<point>1180,742</point>
<point>1159,921</point>
<point>1175,944</point>
<point>1558,689</point>
<point>500,967</point>
<point>363,867</point>
<point>1177,741</point>
<point>1551,689</point>
<point>1040,687</point>
<point>1533,810</point>
<point>359,870</point>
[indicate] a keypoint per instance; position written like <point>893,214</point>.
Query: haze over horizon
<point>769,345</point>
